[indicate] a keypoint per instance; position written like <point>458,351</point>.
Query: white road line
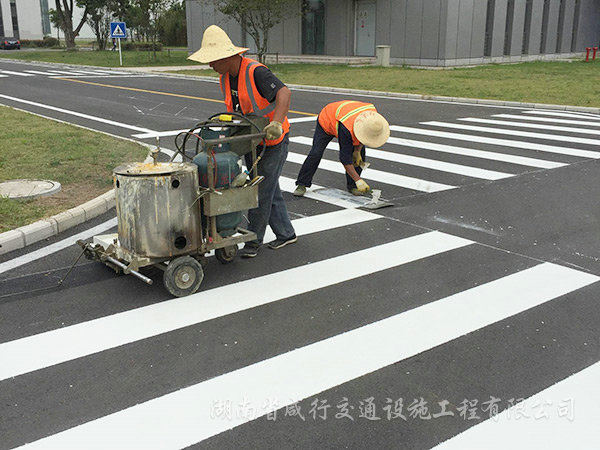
<point>89,72</point>
<point>3,76</point>
<point>77,114</point>
<point>37,72</point>
<point>302,119</point>
<point>378,175</point>
<point>563,114</point>
<point>420,162</point>
<point>69,72</point>
<point>531,125</point>
<point>483,154</point>
<point>552,137</point>
<point>153,134</point>
<point>20,74</point>
<point>565,415</point>
<point>588,123</point>
<point>501,142</point>
<point>185,417</point>
<point>57,246</point>
<point>68,343</point>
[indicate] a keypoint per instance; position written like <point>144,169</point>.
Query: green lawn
<point>37,148</point>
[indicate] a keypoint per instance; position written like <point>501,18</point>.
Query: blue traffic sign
<point>118,30</point>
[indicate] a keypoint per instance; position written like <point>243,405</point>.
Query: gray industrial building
<point>423,32</point>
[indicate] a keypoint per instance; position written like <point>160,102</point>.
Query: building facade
<point>424,32</point>
<point>29,19</point>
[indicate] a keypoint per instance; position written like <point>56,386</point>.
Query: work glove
<point>362,186</point>
<point>357,160</point>
<point>273,130</point>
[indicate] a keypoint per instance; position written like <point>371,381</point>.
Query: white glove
<point>273,130</point>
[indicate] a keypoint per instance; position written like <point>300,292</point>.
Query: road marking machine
<point>171,214</point>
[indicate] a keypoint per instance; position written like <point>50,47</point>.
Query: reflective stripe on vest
<point>251,101</point>
<point>345,112</point>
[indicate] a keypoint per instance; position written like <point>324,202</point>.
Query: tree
<point>258,17</point>
<point>99,17</point>
<point>172,26</point>
<point>62,17</point>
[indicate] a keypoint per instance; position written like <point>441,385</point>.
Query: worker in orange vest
<point>355,125</point>
<point>250,87</point>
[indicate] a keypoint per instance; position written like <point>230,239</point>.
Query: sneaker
<point>300,190</point>
<point>278,243</point>
<point>249,250</point>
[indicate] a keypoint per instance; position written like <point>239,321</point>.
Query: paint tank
<point>227,165</point>
<point>157,211</point>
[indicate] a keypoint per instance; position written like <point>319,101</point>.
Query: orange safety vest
<point>344,112</point>
<point>250,99</point>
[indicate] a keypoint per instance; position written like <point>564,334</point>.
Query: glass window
<point>313,27</point>
<point>15,20</point>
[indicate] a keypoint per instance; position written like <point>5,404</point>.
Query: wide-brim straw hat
<point>371,129</point>
<point>215,45</point>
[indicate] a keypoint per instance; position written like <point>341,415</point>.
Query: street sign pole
<point>118,30</point>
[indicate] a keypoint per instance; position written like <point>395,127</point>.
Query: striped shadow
<point>185,417</point>
<point>433,164</point>
<point>501,142</point>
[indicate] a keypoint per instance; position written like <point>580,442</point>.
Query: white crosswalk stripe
<point>530,125</point>
<point>305,366</point>
<point>552,137</point>
<point>587,123</point>
<point>583,116</point>
<point>380,176</point>
<point>20,74</point>
<point>184,418</point>
<point>420,162</point>
<point>500,142</point>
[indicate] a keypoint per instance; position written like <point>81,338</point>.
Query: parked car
<point>10,42</point>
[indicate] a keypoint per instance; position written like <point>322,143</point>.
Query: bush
<point>141,46</point>
<point>47,42</point>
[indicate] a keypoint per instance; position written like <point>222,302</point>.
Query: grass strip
<point>37,148</point>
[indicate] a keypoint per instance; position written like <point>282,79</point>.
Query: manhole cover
<point>28,188</point>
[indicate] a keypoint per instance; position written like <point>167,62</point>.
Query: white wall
<point>30,20</point>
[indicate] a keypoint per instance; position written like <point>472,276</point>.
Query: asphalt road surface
<point>464,316</point>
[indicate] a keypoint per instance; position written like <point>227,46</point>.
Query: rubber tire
<point>183,276</point>
<point>226,254</point>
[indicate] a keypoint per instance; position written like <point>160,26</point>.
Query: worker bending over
<point>355,125</point>
<point>250,88</point>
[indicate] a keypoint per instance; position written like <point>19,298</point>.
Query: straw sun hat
<point>371,129</point>
<point>215,45</point>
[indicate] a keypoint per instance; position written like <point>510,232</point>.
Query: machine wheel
<point>226,254</point>
<point>183,276</point>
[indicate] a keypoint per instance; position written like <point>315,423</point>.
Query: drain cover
<point>28,188</point>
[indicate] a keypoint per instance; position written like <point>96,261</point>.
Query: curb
<point>51,226</point>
